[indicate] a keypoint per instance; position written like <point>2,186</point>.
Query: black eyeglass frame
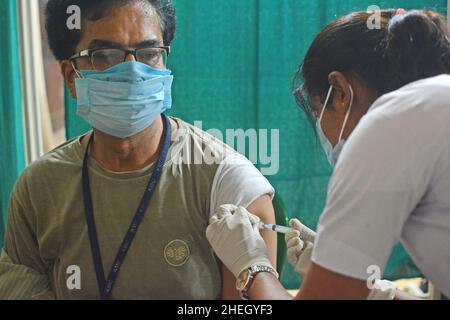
<point>90,52</point>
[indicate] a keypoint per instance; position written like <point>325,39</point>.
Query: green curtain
<point>11,135</point>
<point>233,62</point>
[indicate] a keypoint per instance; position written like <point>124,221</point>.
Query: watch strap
<point>252,272</point>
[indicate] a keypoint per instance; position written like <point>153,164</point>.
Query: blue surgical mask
<point>333,152</point>
<point>125,99</point>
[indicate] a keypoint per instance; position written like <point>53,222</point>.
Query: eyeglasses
<point>102,59</point>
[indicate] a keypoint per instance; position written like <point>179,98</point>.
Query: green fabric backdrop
<point>11,135</point>
<point>233,62</point>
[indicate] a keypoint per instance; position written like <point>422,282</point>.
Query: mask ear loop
<point>348,113</point>
<point>325,104</point>
<point>76,71</point>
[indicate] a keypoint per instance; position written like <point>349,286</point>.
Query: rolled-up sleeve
<point>238,182</point>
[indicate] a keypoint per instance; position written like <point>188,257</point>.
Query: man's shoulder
<point>69,153</point>
<point>57,162</point>
<point>203,141</point>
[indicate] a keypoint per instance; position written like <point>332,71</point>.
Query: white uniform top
<point>391,183</point>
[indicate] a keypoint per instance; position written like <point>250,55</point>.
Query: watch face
<point>242,280</point>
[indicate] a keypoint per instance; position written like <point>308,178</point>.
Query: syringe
<point>305,233</point>
<point>276,228</point>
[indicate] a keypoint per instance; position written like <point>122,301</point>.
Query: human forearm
<point>229,291</point>
<point>265,286</point>
<point>400,295</point>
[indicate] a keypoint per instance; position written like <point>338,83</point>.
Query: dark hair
<point>417,47</point>
<point>406,48</point>
<point>63,41</point>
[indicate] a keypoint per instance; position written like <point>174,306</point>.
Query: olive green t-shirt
<point>170,257</point>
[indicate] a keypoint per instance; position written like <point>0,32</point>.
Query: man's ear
<point>342,95</point>
<point>69,77</point>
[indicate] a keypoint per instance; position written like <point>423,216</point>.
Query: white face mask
<point>333,153</point>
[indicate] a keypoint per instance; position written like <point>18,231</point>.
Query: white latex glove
<point>383,290</point>
<point>234,235</point>
<point>298,252</point>
<point>299,256</point>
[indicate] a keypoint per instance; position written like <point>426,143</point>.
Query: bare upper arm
<point>263,208</point>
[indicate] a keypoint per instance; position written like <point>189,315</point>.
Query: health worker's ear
<point>344,89</point>
<point>342,94</point>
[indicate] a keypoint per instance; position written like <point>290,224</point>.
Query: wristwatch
<point>246,277</point>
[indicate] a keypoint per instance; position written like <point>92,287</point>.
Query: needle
<point>305,233</point>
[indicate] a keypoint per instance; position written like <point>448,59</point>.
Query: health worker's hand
<point>298,252</point>
<point>234,235</point>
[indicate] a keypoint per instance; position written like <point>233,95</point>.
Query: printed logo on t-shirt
<point>176,253</point>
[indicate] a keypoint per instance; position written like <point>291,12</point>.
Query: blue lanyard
<point>106,285</point>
